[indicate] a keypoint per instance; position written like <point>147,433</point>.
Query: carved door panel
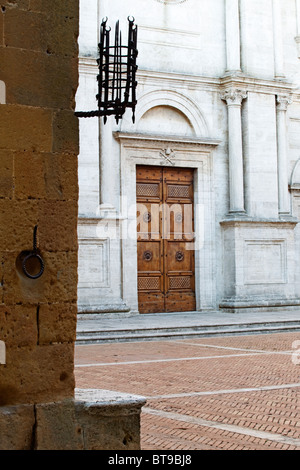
<point>166,281</point>
<point>178,240</point>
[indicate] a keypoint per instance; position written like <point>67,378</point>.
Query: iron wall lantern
<point>117,73</point>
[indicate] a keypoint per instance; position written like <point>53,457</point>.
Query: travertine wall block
<point>37,374</point>
<point>38,187</point>
<point>31,133</point>
<point>16,426</point>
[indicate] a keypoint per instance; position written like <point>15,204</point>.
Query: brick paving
<point>226,393</point>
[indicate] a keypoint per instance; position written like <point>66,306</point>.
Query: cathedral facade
<point>195,205</point>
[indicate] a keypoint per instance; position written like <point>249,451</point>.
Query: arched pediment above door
<point>167,112</point>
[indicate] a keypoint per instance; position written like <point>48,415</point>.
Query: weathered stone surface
<point>6,173</point>
<point>109,420</point>
<point>58,225</point>
<point>43,176</point>
<point>20,4</point>
<point>56,427</point>
<point>65,133</point>
<point>16,427</point>
<point>57,284</point>
<point>53,87</point>
<point>25,128</point>
<point>57,323</point>
<point>18,219</point>
<point>17,25</point>
<point>37,374</point>
<point>19,325</point>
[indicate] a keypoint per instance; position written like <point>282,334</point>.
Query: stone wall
<point>38,187</point>
<point>40,408</point>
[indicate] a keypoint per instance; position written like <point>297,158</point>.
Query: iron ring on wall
<point>42,265</point>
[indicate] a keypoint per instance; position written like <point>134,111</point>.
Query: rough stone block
<point>29,175</point>
<point>20,4</point>
<point>25,30</point>
<point>66,8</point>
<point>109,420</point>
<point>1,28</point>
<point>17,134</point>
<point>58,282</point>
<point>58,225</point>
<point>6,173</point>
<point>65,133</point>
<point>1,276</point>
<point>40,374</point>
<point>60,40</point>
<point>44,176</point>
<point>18,325</point>
<point>56,427</point>
<point>18,219</point>
<point>57,323</point>
<point>16,427</point>
<point>54,85</point>
<point>61,176</point>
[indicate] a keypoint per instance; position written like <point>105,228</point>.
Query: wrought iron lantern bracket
<point>117,73</point>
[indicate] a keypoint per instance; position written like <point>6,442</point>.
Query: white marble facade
<point>219,84</point>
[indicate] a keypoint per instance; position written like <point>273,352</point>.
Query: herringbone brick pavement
<point>226,393</point>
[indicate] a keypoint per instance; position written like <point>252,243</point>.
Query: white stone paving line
<point>150,361</point>
<point>224,427</point>
<point>224,392</point>
<point>213,346</point>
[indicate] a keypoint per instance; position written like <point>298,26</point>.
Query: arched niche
<point>165,120</point>
<point>156,105</point>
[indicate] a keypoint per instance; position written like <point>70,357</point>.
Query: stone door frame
<point>136,149</point>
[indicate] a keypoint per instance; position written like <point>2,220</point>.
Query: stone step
<point>196,331</point>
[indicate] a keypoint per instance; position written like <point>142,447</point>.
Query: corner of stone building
<point>39,146</point>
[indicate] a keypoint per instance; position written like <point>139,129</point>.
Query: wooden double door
<point>165,239</point>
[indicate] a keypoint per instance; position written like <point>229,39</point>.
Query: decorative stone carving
<point>283,101</point>
<point>168,155</point>
<point>234,96</point>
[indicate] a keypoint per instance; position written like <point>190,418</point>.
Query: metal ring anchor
<point>42,264</point>
<point>33,254</point>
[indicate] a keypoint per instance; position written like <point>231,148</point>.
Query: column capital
<point>234,96</point>
<point>283,101</point>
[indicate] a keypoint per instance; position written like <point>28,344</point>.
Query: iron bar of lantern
<point>117,68</point>
<point>100,60</point>
<point>107,31</point>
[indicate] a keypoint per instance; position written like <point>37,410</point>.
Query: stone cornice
<point>88,65</point>
<point>257,85</point>
<point>236,222</point>
<point>203,141</point>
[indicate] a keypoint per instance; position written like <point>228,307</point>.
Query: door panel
<point>166,280</point>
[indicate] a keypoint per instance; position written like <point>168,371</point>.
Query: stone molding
<point>205,142</point>
<point>172,98</point>
<point>250,221</point>
<point>88,65</point>
<point>283,101</point>
<point>234,96</point>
